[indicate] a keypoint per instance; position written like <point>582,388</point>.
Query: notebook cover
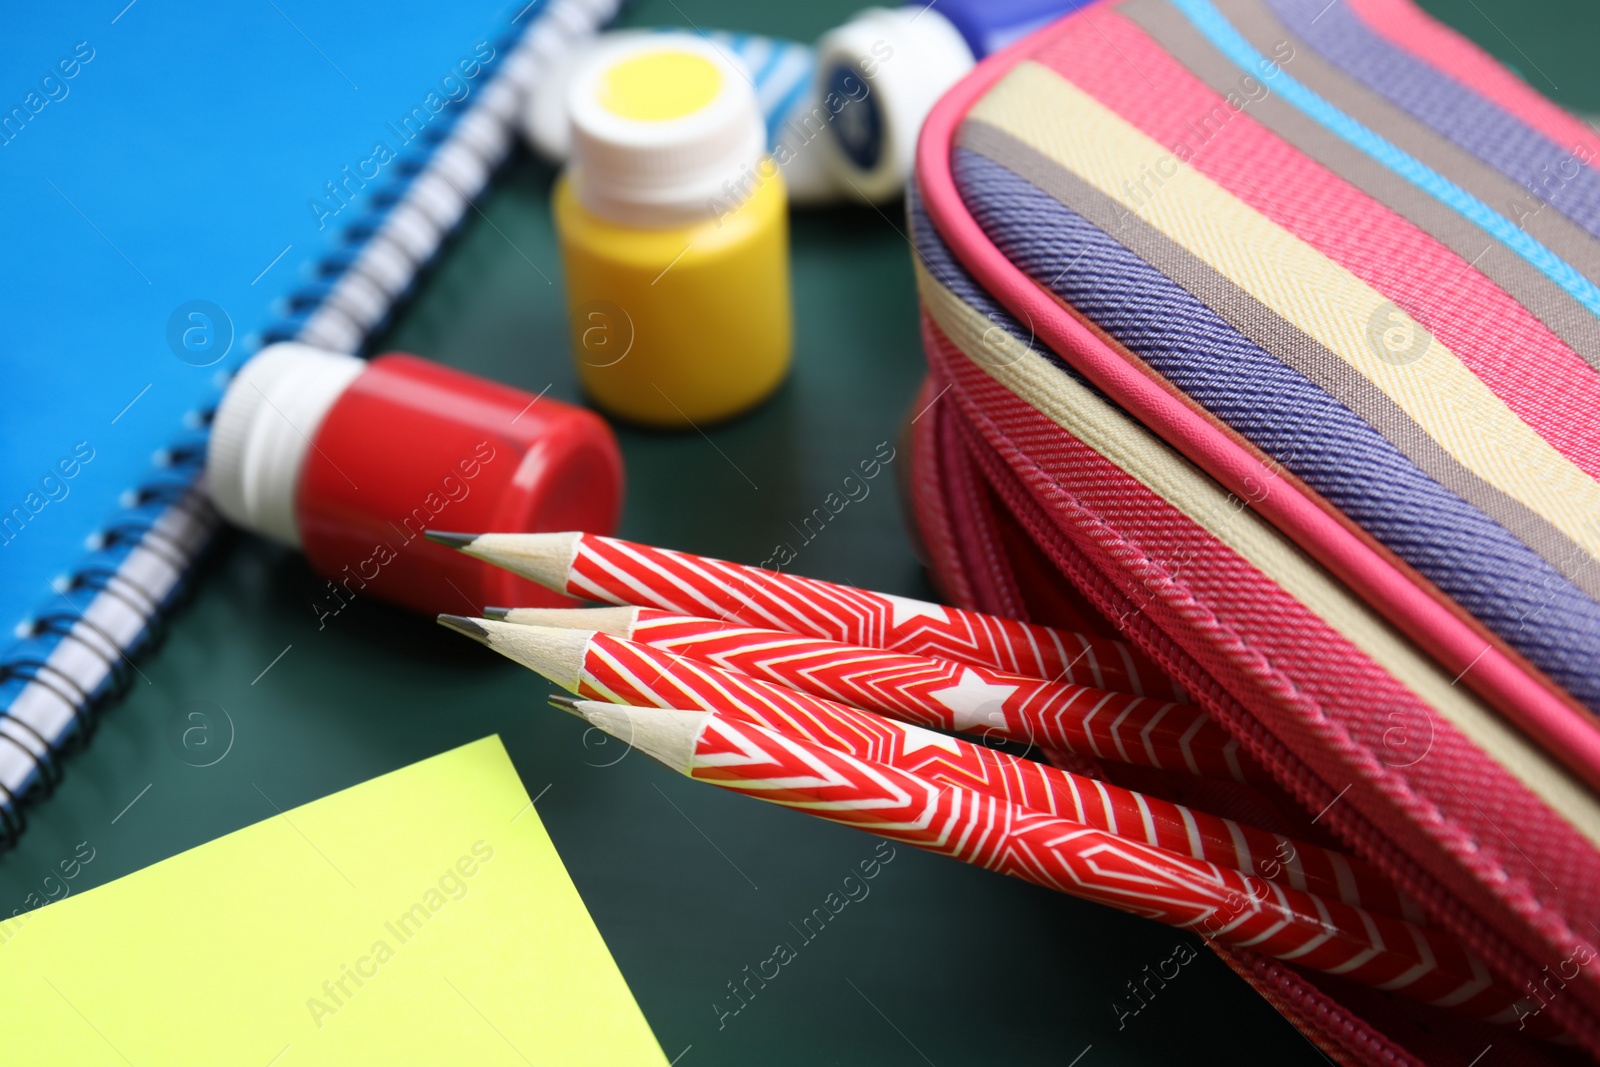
<point>155,155</point>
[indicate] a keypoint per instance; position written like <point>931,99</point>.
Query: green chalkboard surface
<point>939,963</point>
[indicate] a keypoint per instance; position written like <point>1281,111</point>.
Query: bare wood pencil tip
<point>463,625</point>
<point>614,620</point>
<point>543,557</point>
<point>555,652</point>
<point>451,540</point>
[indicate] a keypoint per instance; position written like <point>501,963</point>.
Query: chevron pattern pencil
<point>601,666</point>
<point>1228,906</point>
<point>622,572</point>
<point>938,693</point>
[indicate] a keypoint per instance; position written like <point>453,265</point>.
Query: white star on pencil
<point>905,609</point>
<point>974,701</point>
<point>918,738</point>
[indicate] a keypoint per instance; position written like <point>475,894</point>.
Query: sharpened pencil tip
<point>497,614</point>
<point>462,625</point>
<point>565,703</point>
<point>453,540</point>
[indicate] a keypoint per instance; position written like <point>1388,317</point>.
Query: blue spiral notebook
<point>286,174</point>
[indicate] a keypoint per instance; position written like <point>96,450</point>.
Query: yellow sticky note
<point>421,917</point>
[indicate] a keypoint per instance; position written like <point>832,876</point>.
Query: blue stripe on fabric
<point>1515,592</point>
<point>1450,108</point>
<point>1220,32</point>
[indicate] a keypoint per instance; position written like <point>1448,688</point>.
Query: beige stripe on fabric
<point>1125,442</point>
<point>1303,286</point>
<point>1285,341</point>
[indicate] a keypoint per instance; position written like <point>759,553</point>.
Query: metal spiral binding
<point>429,192</point>
<point>379,258</point>
<point>65,626</point>
<point>49,767</point>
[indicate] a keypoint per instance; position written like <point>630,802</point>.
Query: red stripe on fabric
<point>1404,25</point>
<point>973,526</point>
<point>1540,379</point>
<point>930,510</point>
<point>1320,694</point>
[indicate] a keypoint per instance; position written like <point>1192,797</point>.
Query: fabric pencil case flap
<point>1275,326</point>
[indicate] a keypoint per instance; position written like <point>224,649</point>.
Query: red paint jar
<point>352,460</point>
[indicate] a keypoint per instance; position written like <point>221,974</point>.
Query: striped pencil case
<point>1266,334</point>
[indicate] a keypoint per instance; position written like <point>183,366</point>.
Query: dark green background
<point>942,964</point>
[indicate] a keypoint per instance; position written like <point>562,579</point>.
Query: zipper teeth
<point>1350,1033</point>
<point>1290,772</point>
<point>1317,1010</point>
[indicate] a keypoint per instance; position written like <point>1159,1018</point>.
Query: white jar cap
<point>263,429</point>
<point>889,66</point>
<point>661,125</point>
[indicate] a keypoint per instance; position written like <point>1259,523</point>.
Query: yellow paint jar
<point>674,235</point>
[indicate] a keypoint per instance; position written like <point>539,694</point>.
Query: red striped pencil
<point>1231,907</point>
<point>600,665</point>
<point>933,692</point>
<point>621,572</point>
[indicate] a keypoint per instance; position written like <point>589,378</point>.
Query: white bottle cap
<point>263,430</point>
<point>660,125</point>
<point>885,69</point>
<point>808,176</point>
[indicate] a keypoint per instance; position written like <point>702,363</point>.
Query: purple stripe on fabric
<point>1519,596</point>
<point>936,256</point>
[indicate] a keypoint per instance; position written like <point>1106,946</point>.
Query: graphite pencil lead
<point>497,614</point>
<point>452,540</point>
<point>462,625</point>
<point>565,703</point>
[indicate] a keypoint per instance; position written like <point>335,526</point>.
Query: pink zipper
<point>1304,785</point>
